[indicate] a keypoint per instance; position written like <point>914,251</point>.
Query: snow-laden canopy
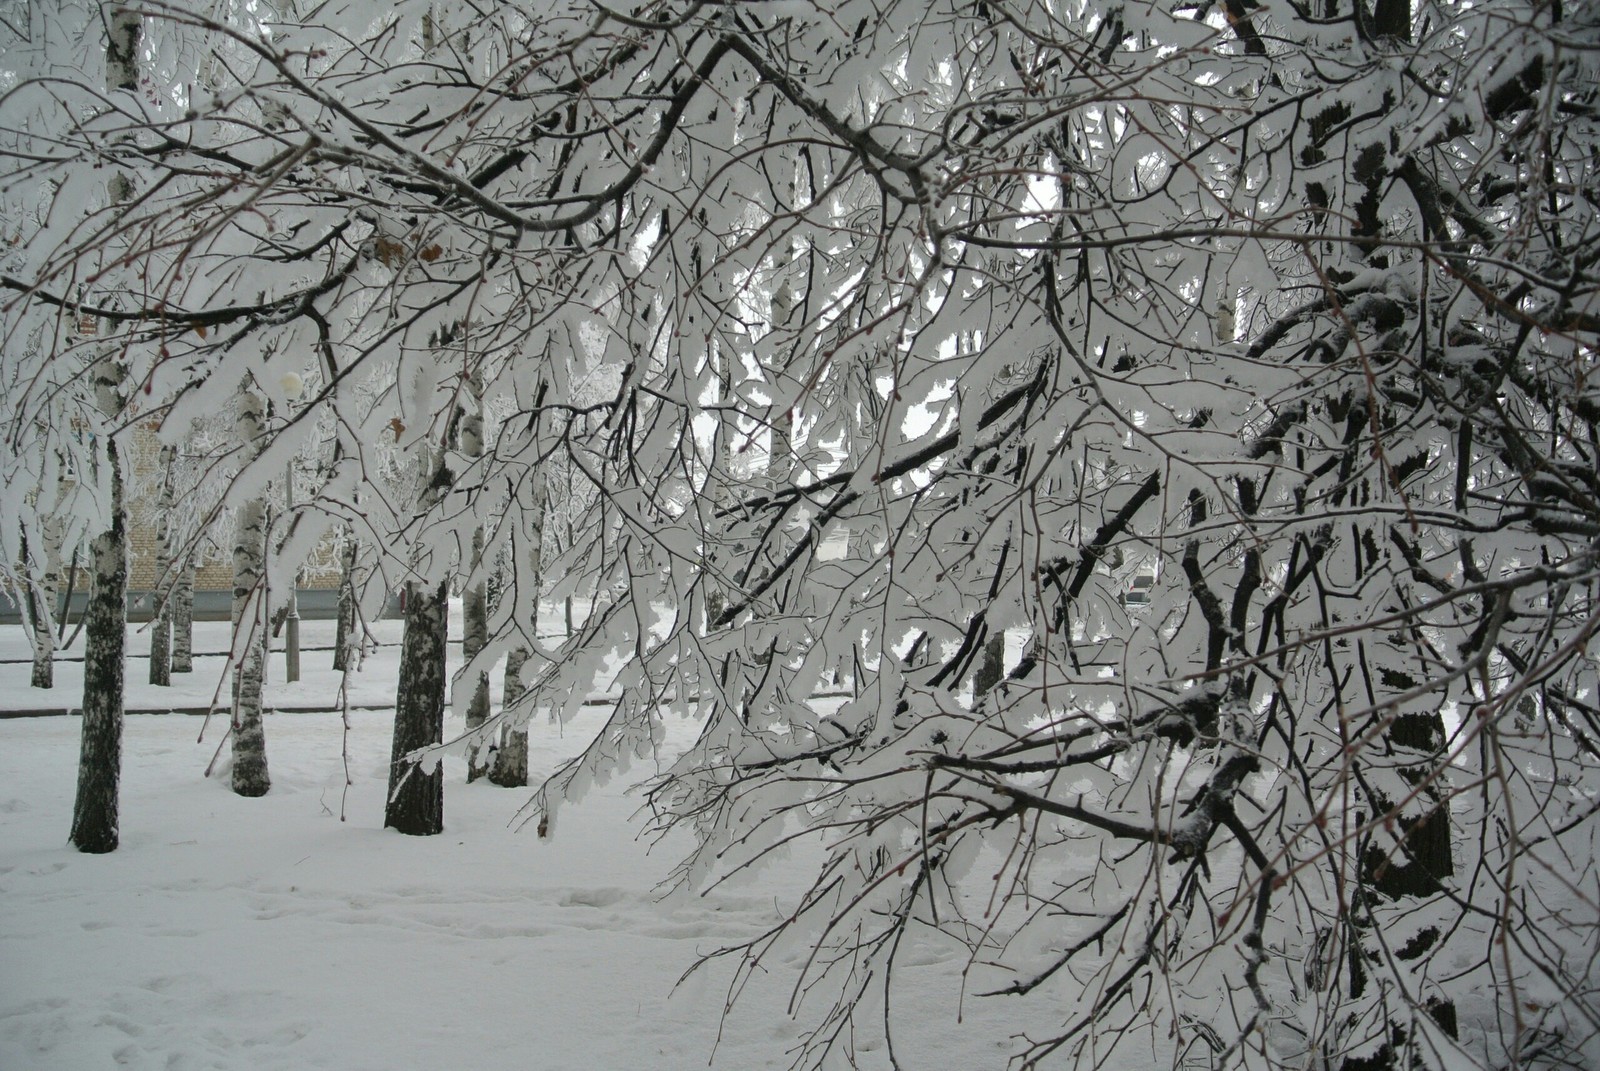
<point>1281,316</point>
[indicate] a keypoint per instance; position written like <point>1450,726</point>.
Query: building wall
<point>321,571</point>
<point>319,578</point>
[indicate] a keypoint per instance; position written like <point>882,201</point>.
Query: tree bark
<point>511,760</point>
<point>475,599</point>
<point>182,603</point>
<point>991,666</point>
<point>250,776</point>
<point>94,812</point>
<point>475,637</point>
<point>41,597</point>
<point>161,627</point>
<point>344,634</point>
<point>416,797</point>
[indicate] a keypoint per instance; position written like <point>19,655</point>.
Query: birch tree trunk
<point>250,776</point>
<point>511,759</point>
<point>416,796</point>
<point>41,598</point>
<point>182,603</point>
<point>345,633</point>
<point>722,477</point>
<point>161,627</point>
<point>475,623</point>
<point>95,820</point>
<point>94,812</point>
<point>49,591</point>
<point>474,600</point>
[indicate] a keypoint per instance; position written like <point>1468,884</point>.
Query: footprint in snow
<point>599,897</point>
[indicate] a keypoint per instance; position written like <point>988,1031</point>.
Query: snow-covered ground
<point>269,934</point>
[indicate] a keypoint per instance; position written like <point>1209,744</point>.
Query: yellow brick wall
<point>216,574</point>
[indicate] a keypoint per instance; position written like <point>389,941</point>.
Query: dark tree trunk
<point>416,797</point>
<point>991,666</point>
<point>94,812</point>
<point>475,628</point>
<point>1415,870</point>
<point>1427,853</point>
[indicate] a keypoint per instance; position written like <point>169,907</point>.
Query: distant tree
<point>166,575</point>
<point>182,614</point>
<point>38,577</point>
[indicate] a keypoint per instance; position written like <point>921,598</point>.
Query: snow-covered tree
<point>96,808</point>
<point>1277,569</point>
<point>1177,423</point>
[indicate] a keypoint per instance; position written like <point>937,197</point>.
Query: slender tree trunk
<point>475,624</point>
<point>781,462</point>
<point>511,760</point>
<point>94,812</point>
<point>344,634</point>
<point>722,481</point>
<point>250,776</point>
<point>475,599</point>
<point>161,642</point>
<point>161,627</point>
<point>54,535</point>
<point>41,597</point>
<point>182,603</point>
<point>416,796</point>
